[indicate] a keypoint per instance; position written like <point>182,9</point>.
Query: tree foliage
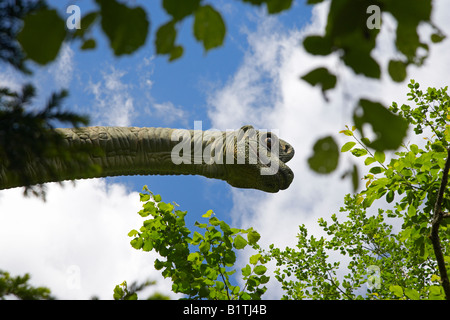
<point>27,137</point>
<point>408,243</point>
<point>349,34</point>
<point>400,250</point>
<point>198,263</point>
<point>21,289</point>
<point>124,292</point>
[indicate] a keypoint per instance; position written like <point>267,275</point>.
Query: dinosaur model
<point>245,158</point>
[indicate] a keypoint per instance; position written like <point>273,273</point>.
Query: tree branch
<point>435,223</point>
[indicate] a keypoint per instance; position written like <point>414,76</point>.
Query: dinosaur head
<point>257,159</point>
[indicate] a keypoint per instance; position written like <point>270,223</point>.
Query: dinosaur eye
<point>268,142</point>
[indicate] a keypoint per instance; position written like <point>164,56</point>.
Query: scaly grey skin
<point>149,151</point>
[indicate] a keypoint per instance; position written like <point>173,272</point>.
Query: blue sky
<point>76,242</point>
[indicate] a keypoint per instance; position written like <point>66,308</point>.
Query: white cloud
<point>62,69</point>
<point>168,112</point>
<point>114,102</point>
<point>76,242</point>
<point>266,91</point>
<point>160,112</point>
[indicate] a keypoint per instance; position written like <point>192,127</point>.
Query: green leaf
<point>136,243</point>
<point>390,196</point>
<point>380,156</point>
<point>225,228</point>
<point>276,6</point>
<point>85,24</point>
<point>209,27</point>
<point>407,38</point>
<point>148,246</point>
<point>194,257</point>
<point>322,77</point>
<point>423,251</point>
<point>255,258</point>
<point>253,237</point>
<point>126,28</point>
<point>411,210</point>
<point>412,294</point>
<point>42,35</point>
<point>214,221</point>
<point>346,147</point>
<point>246,271</point>
<point>347,132</point>
<point>396,290</point>
<point>239,242</point>
<point>414,148</point>
<point>397,70</point>
<point>347,30</point>
<point>435,277</point>
<point>208,214</point>
<point>200,225</point>
<point>167,207</point>
<point>437,37</point>
<point>436,293</point>
<point>317,45</point>
<point>144,197</point>
<point>176,52</point>
<point>204,247</point>
<point>229,257</point>
<point>118,292</point>
<point>389,128</point>
<point>366,141</point>
<point>260,270</point>
<point>133,233</point>
<point>362,63</point>
<point>197,238</point>
<point>180,9</point>
<point>88,44</point>
<point>326,156</point>
<point>359,152</point>
<point>157,198</point>
<point>369,161</point>
<point>355,178</point>
<point>159,264</point>
<point>376,170</point>
<point>165,38</point>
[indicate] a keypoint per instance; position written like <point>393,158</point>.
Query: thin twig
<point>337,286</point>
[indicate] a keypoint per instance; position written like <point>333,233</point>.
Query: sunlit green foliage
<point>124,292</point>
<point>395,240</point>
<point>199,263</point>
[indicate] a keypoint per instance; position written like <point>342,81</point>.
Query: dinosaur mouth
<point>286,177</point>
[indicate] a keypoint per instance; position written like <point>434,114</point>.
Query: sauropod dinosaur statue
<point>245,158</point>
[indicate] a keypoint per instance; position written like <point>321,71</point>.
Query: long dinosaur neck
<point>132,151</point>
<point>144,151</point>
